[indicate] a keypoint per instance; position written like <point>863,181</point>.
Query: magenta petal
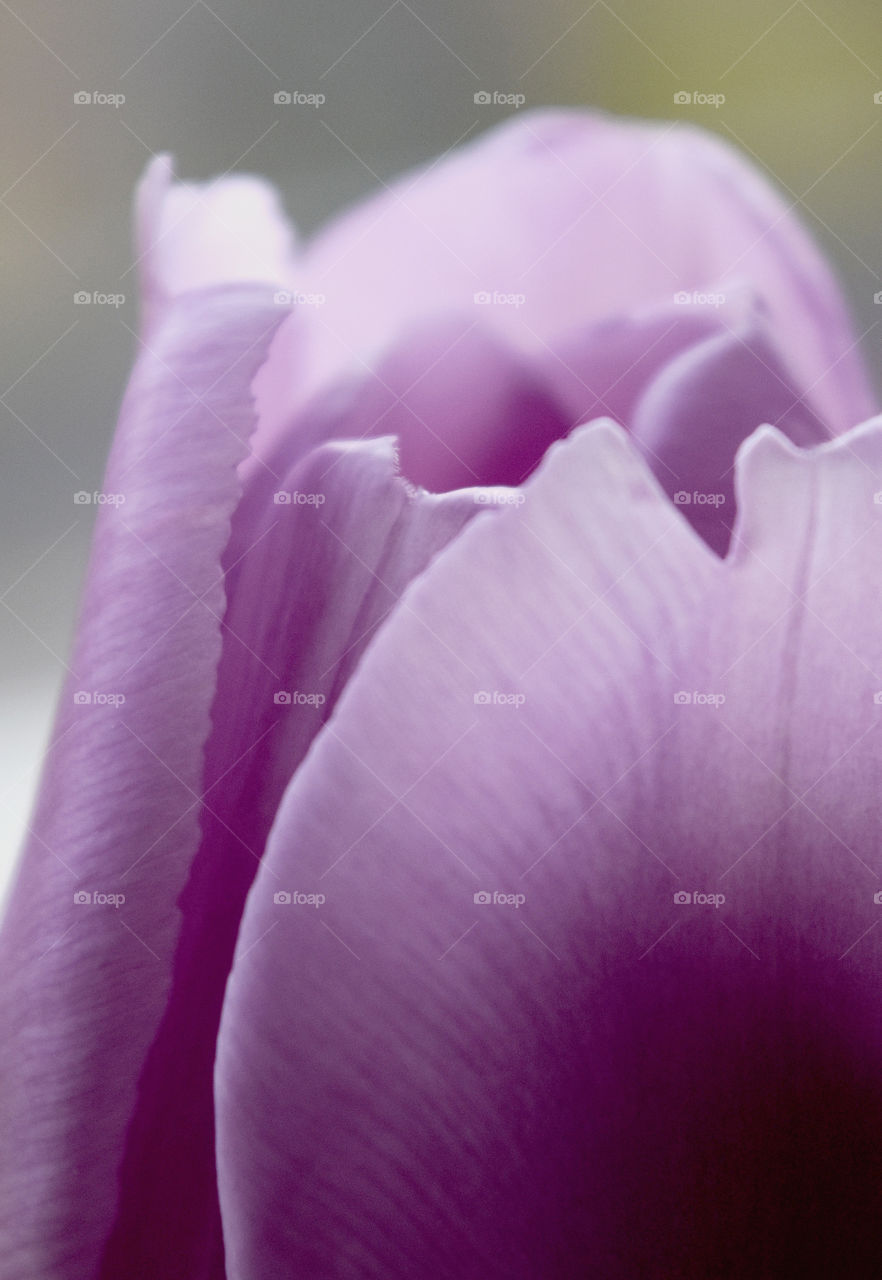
<point>597,1078</point>
<point>586,217</point>
<point>86,983</point>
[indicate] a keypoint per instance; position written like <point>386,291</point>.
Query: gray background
<point>400,80</point>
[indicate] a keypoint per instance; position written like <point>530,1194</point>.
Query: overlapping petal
<point>580,713</point>
<point>584,217</point>
<point>86,979</point>
<point>465,408</point>
<point>735,379</point>
<point>310,579</point>
<point>467,1030</point>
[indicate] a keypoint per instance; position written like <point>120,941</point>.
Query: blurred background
<point>400,80</point>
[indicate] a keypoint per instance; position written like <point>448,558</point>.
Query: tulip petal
<point>198,235</point>
<point>87,980</point>
<point>309,582</point>
<point>582,1075</point>
<point>700,407</point>
<point>579,217</point>
<point>465,408</point>
<point>602,369</point>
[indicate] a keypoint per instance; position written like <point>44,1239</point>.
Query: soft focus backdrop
<point>400,82</point>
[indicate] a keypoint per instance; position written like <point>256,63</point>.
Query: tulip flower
<point>458,851</point>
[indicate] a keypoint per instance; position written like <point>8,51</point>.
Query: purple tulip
<point>469,871</point>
